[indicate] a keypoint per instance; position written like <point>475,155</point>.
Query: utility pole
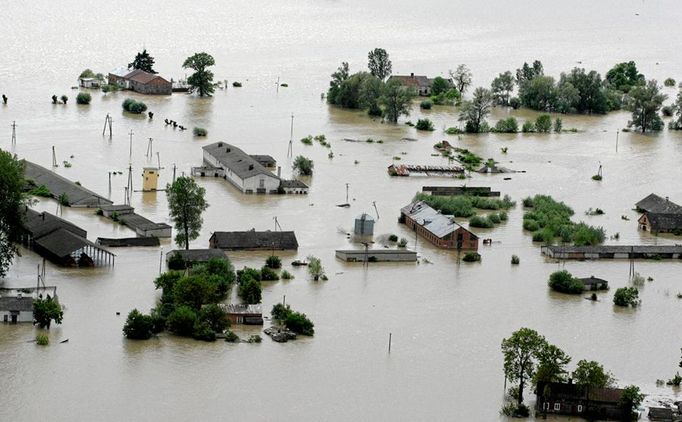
<point>160,261</point>
<point>129,187</point>
<point>617,133</point>
<point>347,194</point>
<point>107,122</point>
<point>54,157</point>
<point>375,208</point>
<point>174,167</point>
<point>130,156</point>
<point>149,149</point>
<point>158,159</point>
<point>290,152</point>
<point>277,84</point>
<point>14,132</point>
<point>109,185</point>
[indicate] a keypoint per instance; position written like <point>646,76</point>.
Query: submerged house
<point>191,257</point>
<point>253,241</point>
<point>421,84</point>
<point>73,193</point>
<point>658,205</point>
<point>578,400</point>
<point>141,82</point>
<point>441,230</point>
<point>245,172</point>
<point>244,314</point>
<point>16,304</point>
<point>660,223</point>
<point>594,283</point>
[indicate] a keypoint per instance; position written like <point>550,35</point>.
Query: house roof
<point>255,240</point>
<point>61,243</point>
<point>660,413</point>
<point>657,204</point>
<point>364,216</point>
<point>293,184</point>
<point>589,281</point>
<point>119,207</point>
<point>128,241</point>
<point>21,304</point>
<point>136,221</point>
<point>233,158</point>
<point>243,309</point>
<point>432,220</point>
<point>76,194</point>
<point>661,221</point>
<point>264,160</point>
<point>197,255</point>
<point>580,392</point>
<point>650,249</point>
<point>39,224</point>
<point>142,77</point>
<point>413,80</point>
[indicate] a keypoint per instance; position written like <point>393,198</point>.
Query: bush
<point>402,243</point>
<point>255,338</point>
<point>543,123</point>
<point>463,205</point>
<point>564,282</point>
<point>515,103</point>
<point>315,268</point>
<point>508,125</point>
<point>199,131</point>
<point>268,274</point>
<point>597,177</point>
<point>425,105</point>
<point>215,317</point>
<point>41,191</point>
<point>494,218</point>
<point>138,326</point>
<point>47,310</point>
<point>286,275</point>
<point>231,337</point>
<point>308,140</point>
<point>304,166</point>
<point>669,82</point>
<point>454,131</point>
<point>299,323</point>
<point>135,107</point>
<point>64,99</point>
<point>250,291</point>
<point>63,199</point>
<point>182,321</point>
<point>176,262</point>
<point>42,339</point>
<point>481,222</point>
<point>554,218</point>
<point>273,262</point>
<point>83,98</point>
<point>280,311</point>
<point>424,124</point>
<point>392,238</point>
<point>528,127</point>
<point>515,260</point>
<point>626,296</point>
<point>503,216</point>
<point>471,257</point>
<point>558,125</point>
<point>202,331</point>
<point>248,274</point>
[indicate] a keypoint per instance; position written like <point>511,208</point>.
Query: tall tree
<point>474,112</point>
<point>552,363</point>
<point>592,374</point>
<point>624,76</point>
<point>12,200</point>
<point>370,92</point>
<point>439,86</point>
<point>186,203</point>
<point>676,124</point>
<point>379,64</point>
<point>143,61</point>
<point>591,94</point>
<point>520,351</point>
<point>630,400</point>
<point>47,310</point>
<point>338,77</point>
<point>529,72</point>
<point>645,101</point>
<point>396,99</point>
<point>461,77</point>
<point>202,78</point>
<point>538,93</point>
<point>502,88</point>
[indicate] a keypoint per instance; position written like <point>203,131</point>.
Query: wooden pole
<point>160,261</point>
<point>390,338</point>
<point>290,151</point>
<point>130,156</point>
<point>14,132</point>
<point>617,133</point>
<point>284,300</point>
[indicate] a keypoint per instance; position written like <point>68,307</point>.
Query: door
<point>14,318</point>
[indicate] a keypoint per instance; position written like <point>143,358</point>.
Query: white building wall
<point>23,316</point>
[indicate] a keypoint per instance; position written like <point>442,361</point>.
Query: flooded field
<point>447,317</point>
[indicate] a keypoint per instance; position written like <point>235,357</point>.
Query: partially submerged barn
<point>252,240</point>
<point>441,230</point>
<point>72,193</point>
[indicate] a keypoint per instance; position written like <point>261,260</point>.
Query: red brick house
<point>441,230</point>
<point>142,82</point>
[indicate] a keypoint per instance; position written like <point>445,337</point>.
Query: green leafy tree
<point>539,93</point>
<point>274,262</point>
<point>371,88</point>
<point>626,296</point>
<point>194,291</point>
<point>508,125</point>
<point>182,321</point>
<point>461,77</point>
<point>520,351</point>
<point>564,282</point>
<point>143,61</point>
<point>315,268</point>
<point>201,80</point>
<point>552,363</point>
<point>566,98</point>
<point>624,76</point>
<point>215,317</point>
<point>350,93</point>
<point>592,374</point>
<point>138,326</point>
<point>47,310</point>
<point>591,96</point>
<point>303,165</point>
<point>527,72</point>
<point>645,101</point>
<point>474,112</point>
<point>186,203</point>
<point>439,86</point>
<point>502,88</point>
<point>396,99</point>
<point>676,124</point>
<point>250,291</point>
<point>280,311</point>
<point>379,64</point>
<point>543,123</point>
<point>338,77</point>
<point>630,400</point>
<point>299,323</point>
<point>12,202</point>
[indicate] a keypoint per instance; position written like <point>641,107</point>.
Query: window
<point>545,406</point>
<point>580,408</point>
<point>262,183</point>
<point>557,406</point>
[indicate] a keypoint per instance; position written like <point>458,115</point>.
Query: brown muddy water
<point>447,318</point>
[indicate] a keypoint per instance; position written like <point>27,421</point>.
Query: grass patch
<point>464,205</point>
<point>549,220</point>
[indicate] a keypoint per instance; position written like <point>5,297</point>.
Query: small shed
<point>150,179</point>
<point>660,414</point>
<point>16,307</point>
<point>244,314</point>
<point>88,83</point>
<point>193,256</point>
<point>594,283</point>
<point>364,225</point>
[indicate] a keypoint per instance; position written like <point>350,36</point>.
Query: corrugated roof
<point>432,220</point>
<point>62,243</point>
<point>238,308</point>
<point>413,80</point>
<point>264,160</point>
<point>197,255</point>
<point>657,204</point>
<point>293,184</point>
<point>593,280</point>
<point>650,249</point>
<point>20,304</point>
<point>255,240</point>
<point>76,194</point>
<point>233,158</point>
<point>39,224</point>
<point>140,76</point>
<point>661,221</point>
<point>136,221</point>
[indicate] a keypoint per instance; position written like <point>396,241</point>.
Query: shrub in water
<point>564,282</point>
<point>471,257</point>
<point>200,131</point>
<point>481,222</point>
<point>515,260</point>
<point>426,105</point>
<point>42,340</point>
<point>231,337</point>
<point>273,262</point>
<point>83,98</point>
<point>543,123</point>
<point>424,124</point>
<point>286,275</point>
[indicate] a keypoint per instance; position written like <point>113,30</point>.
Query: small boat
<point>64,341</point>
<point>298,263</point>
<point>346,205</point>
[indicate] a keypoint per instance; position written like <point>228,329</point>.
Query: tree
<point>538,93</point>
<point>371,88</point>
<point>299,323</point>
<point>12,202</point>
<point>624,76</point>
<point>194,291</point>
<point>274,262</point>
<point>396,100</point>
<point>64,99</point>
<point>182,321</point>
<point>83,98</point>
<point>626,296</point>
<point>591,96</point>
<point>186,203</point>
<point>676,124</point>
<point>338,77</point>
<point>527,73</point>
<point>215,317</point>
<point>502,88</point>
<point>138,326</point>
<point>47,310</point>
<point>520,351</point>
<point>379,64</point>
<point>461,77</point>
<point>592,374</point>
<point>303,165</point>
<point>564,282</point>
<point>439,86</point>
<point>552,363</point>
<point>474,112</point>
<point>143,61</point>
<point>644,101</point>
<point>630,400</point>
<point>315,268</point>
<point>543,123</point>
<point>251,291</point>
<point>202,79</point>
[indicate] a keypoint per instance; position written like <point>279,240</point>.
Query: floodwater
<point>447,318</point>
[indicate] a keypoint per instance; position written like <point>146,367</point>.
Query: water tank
<point>364,225</point>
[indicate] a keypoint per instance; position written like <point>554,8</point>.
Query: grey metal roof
<point>20,304</point>
<point>377,251</point>
<point>197,255</point>
<point>233,158</point>
<point>62,243</point>
<point>76,194</point>
<point>593,280</point>
<point>657,204</point>
<point>255,240</point>
<point>39,224</point>
<point>119,207</point>
<point>430,219</point>
<point>649,249</point>
<point>293,184</point>
<point>128,241</point>
<point>238,308</point>
<point>136,221</point>
<point>660,221</point>
<point>264,160</point>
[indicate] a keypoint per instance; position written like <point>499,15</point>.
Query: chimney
<point>250,166</point>
<point>220,144</point>
<point>412,75</point>
<point>228,150</point>
<point>667,199</point>
<point>279,171</point>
